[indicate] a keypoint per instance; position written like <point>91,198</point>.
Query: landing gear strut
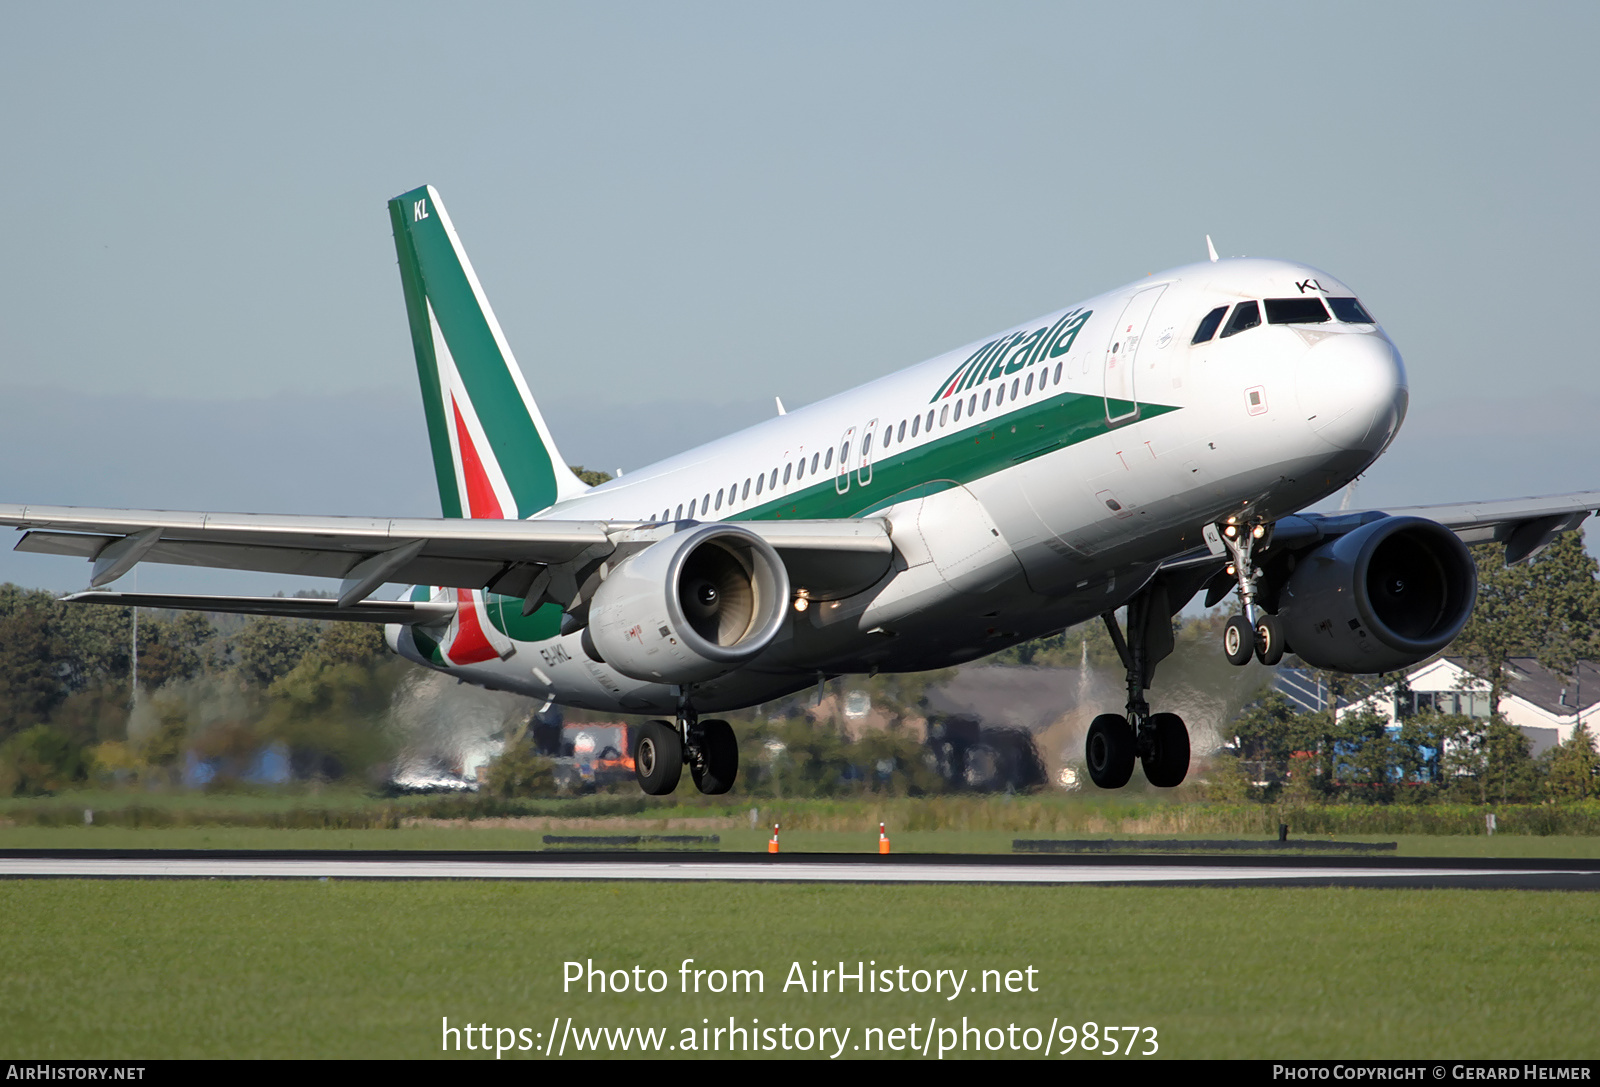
<point>1255,633</point>
<point>1159,740</point>
<point>708,747</point>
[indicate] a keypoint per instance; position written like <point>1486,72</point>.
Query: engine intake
<point>691,607</point>
<point>1383,597</point>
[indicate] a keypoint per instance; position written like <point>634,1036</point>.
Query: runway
<point>1579,875</point>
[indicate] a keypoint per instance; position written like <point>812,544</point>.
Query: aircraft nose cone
<point>1352,390</point>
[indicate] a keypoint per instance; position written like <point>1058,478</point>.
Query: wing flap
<point>290,607</point>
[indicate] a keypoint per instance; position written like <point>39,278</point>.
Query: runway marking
<point>794,869</point>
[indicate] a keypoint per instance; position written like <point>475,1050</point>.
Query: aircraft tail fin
<point>492,453</point>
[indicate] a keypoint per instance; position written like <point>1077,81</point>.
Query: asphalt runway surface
<point>1275,871</point>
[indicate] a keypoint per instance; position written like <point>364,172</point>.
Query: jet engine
<point>691,607</point>
<point>1383,597</point>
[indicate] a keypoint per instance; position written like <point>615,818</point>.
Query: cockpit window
<point>1246,315</point>
<point>1295,311</point>
<point>1208,325</point>
<point>1350,311</point>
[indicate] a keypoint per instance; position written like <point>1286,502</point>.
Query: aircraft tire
<point>1167,764</point>
<point>1109,751</point>
<point>658,758</point>
<point>1269,640</point>
<point>718,766</point>
<point>1238,641</point>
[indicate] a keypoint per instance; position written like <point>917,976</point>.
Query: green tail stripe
<point>427,365</point>
<point>514,439</point>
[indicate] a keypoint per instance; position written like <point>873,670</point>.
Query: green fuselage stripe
<point>907,472</point>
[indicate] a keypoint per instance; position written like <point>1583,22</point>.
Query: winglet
<point>492,453</point>
<point>1211,250</point>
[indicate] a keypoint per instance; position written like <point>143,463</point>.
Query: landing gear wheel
<point>1109,751</point>
<point>1269,640</point>
<point>658,758</point>
<point>1238,641</point>
<point>718,764</point>
<point>1167,764</point>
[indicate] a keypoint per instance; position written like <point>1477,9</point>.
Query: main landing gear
<point>1257,632</point>
<point>709,747</point>
<point>1160,741</point>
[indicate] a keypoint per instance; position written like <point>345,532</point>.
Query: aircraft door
<point>841,480</point>
<point>1122,349</point>
<point>864,471</point>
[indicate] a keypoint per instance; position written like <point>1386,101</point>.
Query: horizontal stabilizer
<point>291,607</point>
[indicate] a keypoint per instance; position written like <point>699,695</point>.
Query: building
<point>1545,706</point>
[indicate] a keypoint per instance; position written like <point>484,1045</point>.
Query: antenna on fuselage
<point>778,400</point>
<point>1211,250</point>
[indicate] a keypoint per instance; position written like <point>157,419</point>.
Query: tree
<point>171,649</point>
<point>1547,608</point>
<point>1564,597</point>
<point>1501,626</point>
<point>40,760</point>
<point>1573,766</point>
<point>1364,753</point>
<point>520,771</point>
<point>589,475</point>
<point>269,649</point>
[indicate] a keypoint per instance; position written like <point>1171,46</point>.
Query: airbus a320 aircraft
<point>1126,452</point>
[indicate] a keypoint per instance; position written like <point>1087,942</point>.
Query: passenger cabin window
<point>1208,325</point>
<point>901,435</point>
<point>828,463</point>
<point>1296,311</point>
<point>1350,311</point>
<point>1246,315</point>
<point>916,423</point>
<point>815,457</point>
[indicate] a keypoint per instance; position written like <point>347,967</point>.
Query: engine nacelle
<point>691,607</point>
<point>1383,597</point>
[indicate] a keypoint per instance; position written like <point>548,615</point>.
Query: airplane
<point>1128,452</point>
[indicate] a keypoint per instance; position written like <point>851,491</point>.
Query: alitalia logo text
<point>1002,357</point>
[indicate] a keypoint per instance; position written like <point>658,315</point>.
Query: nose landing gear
<point>1255,633</point>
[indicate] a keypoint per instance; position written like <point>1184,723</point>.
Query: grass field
<point>146,969</point>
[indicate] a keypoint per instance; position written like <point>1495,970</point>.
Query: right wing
<point>543,560</point>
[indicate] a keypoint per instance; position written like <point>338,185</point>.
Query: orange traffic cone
<point>772,846</point>
<point>883,840</point>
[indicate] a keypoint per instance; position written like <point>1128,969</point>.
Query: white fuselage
<point>1090,445</point>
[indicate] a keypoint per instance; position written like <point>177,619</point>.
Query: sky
<point>681,211</point>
